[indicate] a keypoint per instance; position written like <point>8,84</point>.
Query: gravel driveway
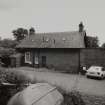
<point>67,81</point>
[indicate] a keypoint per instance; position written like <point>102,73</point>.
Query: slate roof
<point>16,55</point>
<point>73,39</point>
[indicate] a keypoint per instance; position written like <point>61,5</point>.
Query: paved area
<point>66,81</point>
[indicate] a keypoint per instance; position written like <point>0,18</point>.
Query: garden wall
<point>92,56</point>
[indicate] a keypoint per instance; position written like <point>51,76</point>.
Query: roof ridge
<point>57,32</point>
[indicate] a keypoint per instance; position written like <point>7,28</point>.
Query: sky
<point>53,16</point>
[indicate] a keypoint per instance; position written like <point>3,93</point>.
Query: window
<point>27,57</point>
<point>43,61</point>
<point>36,60</point>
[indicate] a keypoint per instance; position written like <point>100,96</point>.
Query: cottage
<point>59,50</point>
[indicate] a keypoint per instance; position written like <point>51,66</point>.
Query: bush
<point>16,79</point>
<point>7,92</point>
<point>71,98</point>
<point>12,77</point>
<point>3,75</point>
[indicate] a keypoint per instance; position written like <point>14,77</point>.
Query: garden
<point>70,98</point>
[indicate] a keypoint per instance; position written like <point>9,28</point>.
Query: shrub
<point>3,75</point>
<point>71,98</point>
<point>12,77</point>
<point>7,92</point>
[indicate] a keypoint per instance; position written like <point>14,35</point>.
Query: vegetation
<point>7,48</point>
<point>21,33</point>
<point>8,43</point>
<point>11,77</point>
<point>92,42</point>
<point>70,98</point>
<point>4,52</point>
<point>103,45</point>
<point>6,92</point>
<point>31,31</point>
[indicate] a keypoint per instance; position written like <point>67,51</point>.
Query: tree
<point>31,31</point>
<point>91,42</point>
<point>103,45</point>
<point>8,43</point>
<point>7,48</point>
<point>6,52</point>
<point>20,33</point>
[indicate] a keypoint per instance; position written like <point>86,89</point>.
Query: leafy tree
<point>20,33</point>
<point>5,52</point>
<point>91,42</point>
<point>7,48</point>
<point>8,43</point>
<point>103,45</point>
<point>31,31</point>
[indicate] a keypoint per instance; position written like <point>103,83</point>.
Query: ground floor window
<point>27,57</point>
<point>43,61</point>
<point>36,60</point>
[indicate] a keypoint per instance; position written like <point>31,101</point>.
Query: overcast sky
<point>53,16</point>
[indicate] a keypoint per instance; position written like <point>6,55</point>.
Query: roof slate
<point>73,39</point>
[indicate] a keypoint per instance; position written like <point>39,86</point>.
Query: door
<point>13,62</point>
<point>36,61</point>
<point>43,61</point>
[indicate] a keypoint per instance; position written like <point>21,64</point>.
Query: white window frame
<point>28,61</point>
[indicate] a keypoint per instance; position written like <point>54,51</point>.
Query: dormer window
<point>64,39</point>
<point>32,40</point>
<point>47,39</point>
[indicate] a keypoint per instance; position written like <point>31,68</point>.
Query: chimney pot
<point>81,27</point>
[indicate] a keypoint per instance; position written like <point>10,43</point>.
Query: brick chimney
<point>81,27</point>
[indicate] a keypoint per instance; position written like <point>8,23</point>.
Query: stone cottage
<point>59,50</point>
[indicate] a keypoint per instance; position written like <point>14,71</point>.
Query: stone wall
<point>64,60</point>
<point>92,56</point>
<point>59,59</point>
<point>68,60</point>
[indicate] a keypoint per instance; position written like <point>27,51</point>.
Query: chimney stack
<point>81,27</point>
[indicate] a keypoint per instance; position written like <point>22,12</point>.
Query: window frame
<point>29,54</point>
<point>36,60</point>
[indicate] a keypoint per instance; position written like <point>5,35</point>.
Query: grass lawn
<point>67,82</point>
<point>92,91</point>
